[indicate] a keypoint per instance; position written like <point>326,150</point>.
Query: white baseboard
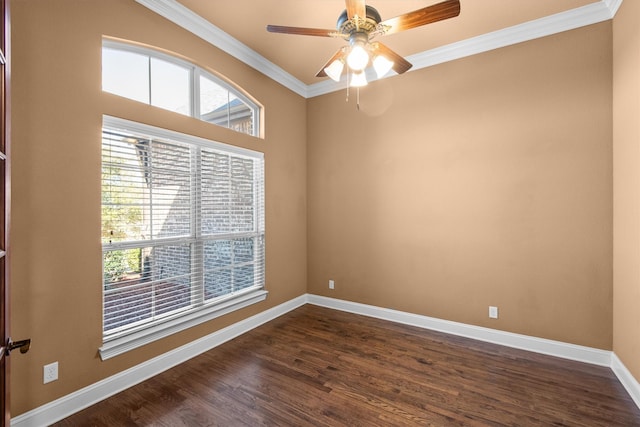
<point>625,377</point>
<point>83,398</point>
<point>524,342</point>
<point>76,401</point>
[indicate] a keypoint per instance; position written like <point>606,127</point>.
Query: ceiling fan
<point>359,24</point>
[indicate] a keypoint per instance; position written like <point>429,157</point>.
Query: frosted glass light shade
<point>358,79</point>
<point>358,58</point>
<point>334,70</point>
<point>382,65</point>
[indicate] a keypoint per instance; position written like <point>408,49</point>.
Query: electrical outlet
<point>50,372</point>
<point>332,284</point>
<point>493,312</point>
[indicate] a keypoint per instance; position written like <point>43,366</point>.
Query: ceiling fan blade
<point>437,12</point>
<point>339,54</point>
<point>400,65</point>
<point>301,31</point>
<point>356,7</point>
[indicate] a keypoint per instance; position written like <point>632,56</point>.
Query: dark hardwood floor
<point>320,367</point>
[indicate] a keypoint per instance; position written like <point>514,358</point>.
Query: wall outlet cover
<point>50,372</point>
<point>493,312</point>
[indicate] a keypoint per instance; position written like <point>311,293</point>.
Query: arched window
<point>168,82</point>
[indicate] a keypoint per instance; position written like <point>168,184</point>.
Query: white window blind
<point>182,226</point>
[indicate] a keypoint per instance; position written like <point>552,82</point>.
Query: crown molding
<point>190,21</point>
<point>593,13</point>
<point>613,6</point>
<point>549,25</point>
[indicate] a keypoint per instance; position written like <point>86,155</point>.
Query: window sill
<point>117,346</point>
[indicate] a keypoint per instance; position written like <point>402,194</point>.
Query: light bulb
<point>382,65</point>
<point>334,70</point>
<point>358,58</point>
<point>358,79</point>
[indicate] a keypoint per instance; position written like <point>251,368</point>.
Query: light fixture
<point>382,65</point>
<point>334,70</point>
<point>358,79</point>
<point>358,57</point>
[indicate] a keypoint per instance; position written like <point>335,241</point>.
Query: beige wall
<point>626,185</point>
<point>482,181</point>
<point>56,253</point>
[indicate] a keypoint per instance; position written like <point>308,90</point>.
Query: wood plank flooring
<point>320,367</point>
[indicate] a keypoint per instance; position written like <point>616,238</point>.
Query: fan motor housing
<point>347,26</point>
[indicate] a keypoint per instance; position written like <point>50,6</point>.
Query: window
<point>182,232</point>
<point>168,82</point>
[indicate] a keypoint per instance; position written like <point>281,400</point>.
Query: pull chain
<point>347,100</point>
<point>349,77</point>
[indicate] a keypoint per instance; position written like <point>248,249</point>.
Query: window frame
<point>134,337</point>
<point>195,72</point>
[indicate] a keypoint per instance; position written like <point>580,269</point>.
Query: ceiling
<point>301,57</point>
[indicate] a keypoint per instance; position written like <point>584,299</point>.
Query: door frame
<point>5,216</point>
